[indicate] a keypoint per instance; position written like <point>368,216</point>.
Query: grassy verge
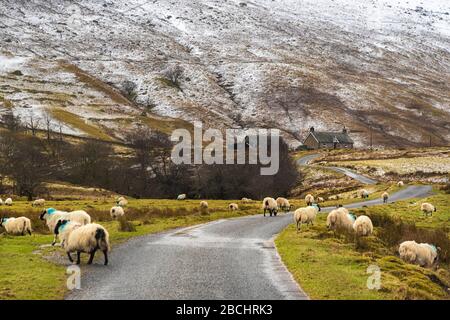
<point>329,266</point>
<point>27,274</point>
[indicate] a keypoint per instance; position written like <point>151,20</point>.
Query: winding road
<point>225,259</point>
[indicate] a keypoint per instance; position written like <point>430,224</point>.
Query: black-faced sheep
<point>400,184</point>
<point>283,204</point>
<point>116,212</point>
<point>364,194</point>
<point>385,197</point>
<point>233,207</point>
<point>320,199</point>
<point>269,204</point>
<point>428,208</point>
<point>16,226</point>
<point>363,226</point>
<point>422,254</point>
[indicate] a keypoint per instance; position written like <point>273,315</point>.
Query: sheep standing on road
<point>88,239</point>
<point>269,204</point>
<point>233,207</point>
<point>38,203</point>
<point>116,212</point>
<point>8,202</point>
<point>305,215</point>
<point>422,254</point>
<point>385,197</point>
<point>16,226</point>
<point>181,196</point>
<point>309,199</point>
<point>427,208</point>
<point>363,226</point>
<point>283,204</point>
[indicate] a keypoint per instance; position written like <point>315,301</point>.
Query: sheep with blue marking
<point>16,226</point>
<point>63,228</point>
<point>306,215</point>
<point>87,239</point>
<point>422,254</point>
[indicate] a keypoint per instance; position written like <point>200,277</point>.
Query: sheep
<point>428,208</point>
<point>51,216</point>
<point>38,203</point>
<point>88,238</point>
<point>364,194</point>
<point>1,202</point>
<point>116,212</point>
<point>181,196</point>
<point>340,219</point>
<point>269,204</point>
<point>363,226</point>
<point>233,206</point>
<point>283,204</point>
<point>422,254</point>
<point>16,226</point>
<point>385,197</point>
<point>122,202</point>
<point>63,229</point>
<point>333,197</point>
<point>246,200</point>
<point>8,202</point>
<point>320,199</point>
<point>309,199</point>
<point>400,184</point>
<point>203,205</point>
<point>305,215</point>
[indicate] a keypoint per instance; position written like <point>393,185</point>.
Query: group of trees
<point>141,169</point>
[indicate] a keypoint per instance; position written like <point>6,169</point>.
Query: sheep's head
<point>46,211</point>
<point>2,220</point>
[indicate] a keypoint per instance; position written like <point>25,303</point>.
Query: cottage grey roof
<point>331,137</point>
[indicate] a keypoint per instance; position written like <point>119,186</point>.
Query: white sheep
<point>16,226</point>
<point>269,204</point>
<point>181,196</point>
<point>63,228</point>
<point>203,205</point>
<point>385,197</point>
<point>122,202</point>
<point>428,208</point>
<point>363,226</point>
<point>8,202</point>
<point>400,184</point>
<point>340,219</point>
<point>283,204</point>
<point>364,194</point>
<point>38,203</point>
<point>1,202</point>
<point>88,238</point>
<point>309,199</point>
<point>422,254</point>
<point>116,212</point>
<point>320,199</point>
<point>51,216</point>
<point>333,197</point>
<point>233,207</point>
<point>305,215</point>
<point>246,200</point>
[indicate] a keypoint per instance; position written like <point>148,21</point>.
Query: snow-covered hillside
<point>379,65</point>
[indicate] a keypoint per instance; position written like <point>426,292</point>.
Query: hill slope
<point>382,65</point>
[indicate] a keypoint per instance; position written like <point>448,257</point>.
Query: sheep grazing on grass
<point>333,197</point>
<point>269,204</point>
<point>16,226</point>
<point>305,215</point>
<point>1,202</point>
<point>88,239</point>
<point>63,228</point>
<point>422,254</point>
<point>385,197</point>
<point>246,200</point>
<point>203,204</point>
<point>116,212</point>
<point>283,204</point>
<point>320,200</point>
<point>363,226</point>
<point>364,194</point>
<point>8,202</point>
<point>51,216</point>
<point>38,203</point>
<point>340,219</point>
<point>400,184</point>
<point>122,202</point>
<point>309,199</point>
<point>427,208</point>
<point>233,207</point>
<point>181,196</point>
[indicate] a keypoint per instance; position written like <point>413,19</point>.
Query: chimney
<point>311,129</point>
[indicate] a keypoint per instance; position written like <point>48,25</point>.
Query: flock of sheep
<point>78,234</point>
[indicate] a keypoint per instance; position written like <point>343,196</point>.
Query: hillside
<point>98,68</point>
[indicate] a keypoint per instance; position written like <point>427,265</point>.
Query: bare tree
<point>33,124</point>
<point>173,74</point>
<point>48,125</point>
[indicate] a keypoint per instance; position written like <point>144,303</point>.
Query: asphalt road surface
<point>224,259</point>
<point>303,161</point>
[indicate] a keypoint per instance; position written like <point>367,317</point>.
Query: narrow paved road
<point>303,161</point>
<point>225,259</point>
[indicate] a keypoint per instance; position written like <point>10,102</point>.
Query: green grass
<point>26,274</point>
<point>329,266</point>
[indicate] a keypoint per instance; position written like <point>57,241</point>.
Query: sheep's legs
<point>105,253</point>
<point>29,232</point>
<point>70,257</point>
<point>78,257</point>
<point>54,240</point>
<point>92,256</point>
<point>298,229</point>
